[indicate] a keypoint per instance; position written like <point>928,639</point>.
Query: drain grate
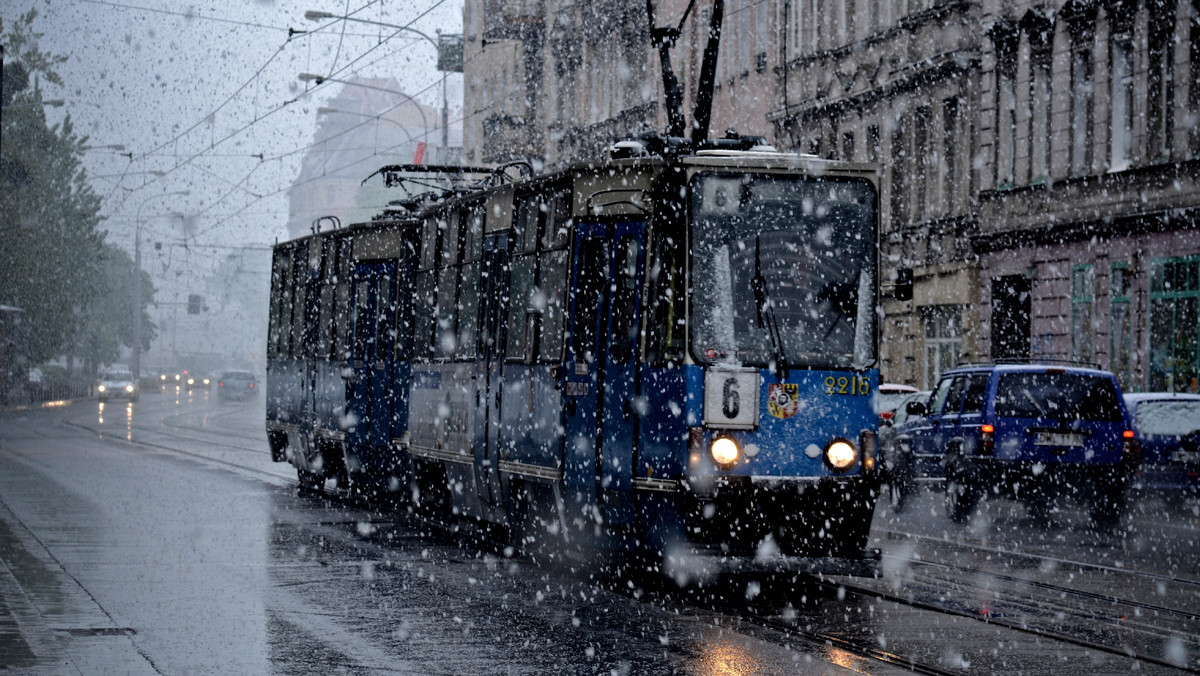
<point>99,631</point>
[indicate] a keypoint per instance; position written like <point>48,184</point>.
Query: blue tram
<point>670,357</point>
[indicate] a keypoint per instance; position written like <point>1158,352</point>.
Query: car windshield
<point>118,375</point>
<point>237,375</point>
<point>1168,417</point>
<point>1070,396</point>
<point>890,401</point>
<point>783,270</point>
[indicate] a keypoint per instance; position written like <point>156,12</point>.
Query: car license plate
<point>1059,439</point>
<point>1189,457</point>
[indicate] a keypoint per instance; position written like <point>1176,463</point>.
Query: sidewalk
<point>49,624</point>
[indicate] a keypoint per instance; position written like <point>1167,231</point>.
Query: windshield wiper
<point>766,311</point>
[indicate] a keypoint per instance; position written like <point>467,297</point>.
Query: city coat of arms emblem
<point>783,399</point>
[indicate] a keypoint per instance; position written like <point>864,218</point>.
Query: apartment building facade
<point>1042,158</point>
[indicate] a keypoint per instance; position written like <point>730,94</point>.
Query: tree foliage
<point>54,263</point>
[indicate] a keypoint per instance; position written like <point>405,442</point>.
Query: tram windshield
<point>783,271</point>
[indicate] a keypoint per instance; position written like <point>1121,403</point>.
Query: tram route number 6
<point>731,398</point>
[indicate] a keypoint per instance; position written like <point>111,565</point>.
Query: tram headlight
<point>841,454</point>
<point>725,451</point>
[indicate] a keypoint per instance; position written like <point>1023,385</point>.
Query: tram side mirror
<point>904,284</point>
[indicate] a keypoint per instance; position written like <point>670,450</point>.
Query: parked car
<point>1032,432</point>
<point>896,462</point>
<point>118,384</point>
<point>1168,427</point>
<point>888,397</point>
<point>237,385</point>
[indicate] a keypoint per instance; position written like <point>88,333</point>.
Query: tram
<point>668,357</point>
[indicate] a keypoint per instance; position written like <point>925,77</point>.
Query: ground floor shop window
<point>1082,296</point>
<point>1175,324</point>
<point>943,340</point>
<point>1120,348</point>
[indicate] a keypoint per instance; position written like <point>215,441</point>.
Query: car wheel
<point>1108,505</point>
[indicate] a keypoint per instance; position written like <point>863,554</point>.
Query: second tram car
<point>670,357</point>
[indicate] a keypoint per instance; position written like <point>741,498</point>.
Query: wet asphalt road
<point>163,556</point>
<point>159,538</point>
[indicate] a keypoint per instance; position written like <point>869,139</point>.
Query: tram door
<point>493,311</point>
<point>602,376</point>
<point>371,355</point>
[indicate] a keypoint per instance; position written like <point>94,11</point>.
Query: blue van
<point>1030,432</point>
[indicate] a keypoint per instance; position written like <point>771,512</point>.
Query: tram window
<point>552,289</point>
<point>363,324</point>
<point>280,300</point>
<point>325,336</point>
<point>624,319</point>
<point>449,238</point>
<point>558,220</point>
<point>525,223</point>
<point>384,312</point>
<point>523,308</point>
<point>468,311</point>
<point>473,232</point>
<point>299,286</point>
<point>593,269</point>
<point>665,333</point>
<point>345,261</point>
<point>447,312</point>
<point>429,234</point>
<point>424,313</point>
<point>402,323</point>
<point>341,315</point>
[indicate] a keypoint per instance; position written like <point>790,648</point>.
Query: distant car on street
<point>236,385</point>
<point>1031,432</point>
<point>1168,426</point>
<point>193,380</point>
<point>118,384</point>
<point>898,468</point>
<point>888,397</point>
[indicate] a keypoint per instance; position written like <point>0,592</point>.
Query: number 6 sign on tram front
<point>731,398</point>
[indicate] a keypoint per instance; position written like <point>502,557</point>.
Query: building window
<point>949,173</point>
<point>1174,324</point>
<point>1006,117</point>
<point>1120,348</point>
<point>848,146</point>
<point>1121,123</point>
<point>921,160</point>
<point>1039,118</point>
<point>1193,111</point>
<point>1159,117</point>
<point>1081,112</point>
<point>943,340</point>
<point>1082,297</point>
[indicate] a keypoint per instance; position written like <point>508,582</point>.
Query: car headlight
<point>724,451</point>
<point>102,388</point>
<point>841,454</point>
<point>129,389</point>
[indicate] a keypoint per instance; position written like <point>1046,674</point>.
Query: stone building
<point>556,81</point>
<point>1042,158</point>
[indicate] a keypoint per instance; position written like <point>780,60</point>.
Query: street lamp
<point>314,15</point>
<point>319,79</point>
<point>136,365</point>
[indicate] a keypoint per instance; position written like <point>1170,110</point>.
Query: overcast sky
<point>208,93</point>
